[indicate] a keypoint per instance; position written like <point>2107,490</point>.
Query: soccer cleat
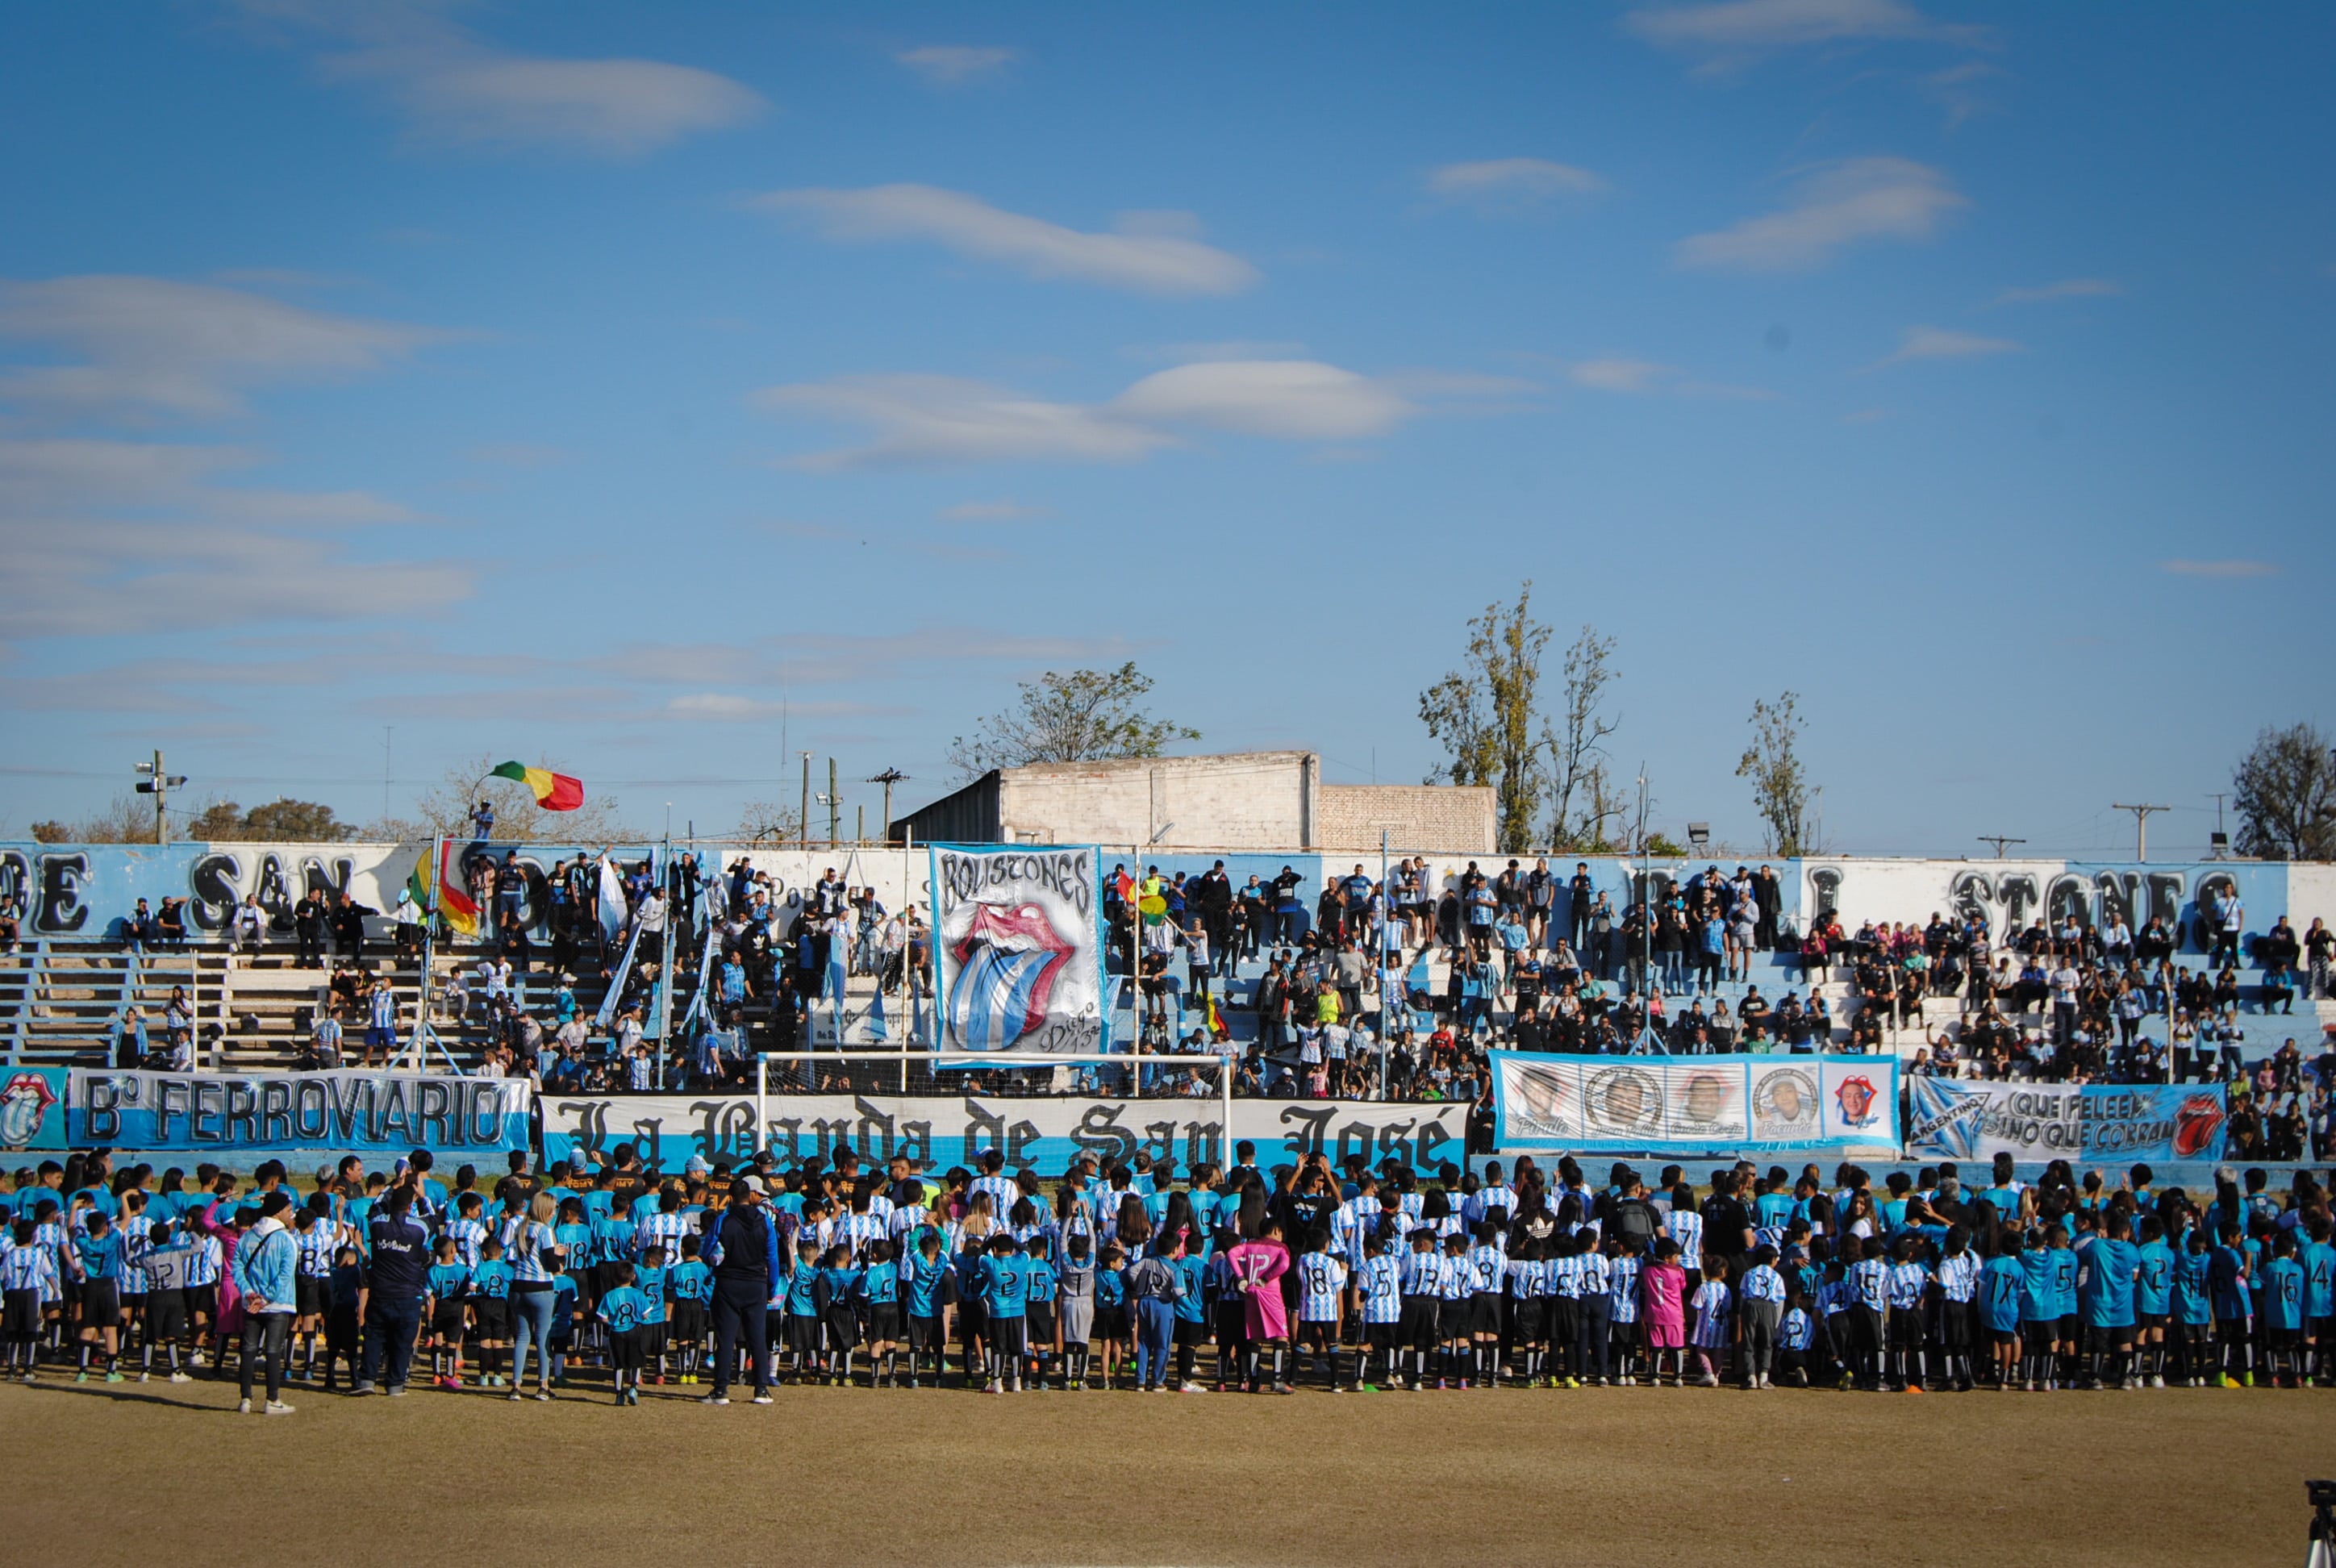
<point>1190,1387</point>
<point>243,1407</point>
<point>116,1377</point>
<point>277,1407</point>
<point>83,1376</point>
<point>2228,1382</point>
<point>175,1377</point>
<point>715,1400</point>
<point>2157,1381</point>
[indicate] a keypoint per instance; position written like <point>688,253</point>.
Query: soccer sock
<point>1278,1377</point>
<point>1248,1368</point>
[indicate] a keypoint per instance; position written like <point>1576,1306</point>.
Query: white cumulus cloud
<point>1749,26</point>
<point>1288,400</point>
<point>1943,343</point>
<point>1138,258</point>
<point>1511,179</point>
<point>1849,202</point>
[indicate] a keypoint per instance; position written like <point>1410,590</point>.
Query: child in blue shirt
<point>691,1284</point>
<point>2284,1287</point>
<point>928,1282</point>
<point>838,1285</point>
<point>649,1280</point>
<point>623,1309</point>
<point>878,1302</point>
<point>1004,1292</point>
<point>1111,1329</point>
<point>1039,1278</point>
<point>2153,1300</point>
<point>2227,1287</point>
<point>491,1284</point>
<point>2193,1305</point>
<point>449,1314</point>
<point>801,1293</point>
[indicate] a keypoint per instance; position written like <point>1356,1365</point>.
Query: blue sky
<point>599,383</point>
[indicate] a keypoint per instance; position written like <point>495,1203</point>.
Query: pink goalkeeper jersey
<point>1661,1287</point>
<point>1260,1266</point>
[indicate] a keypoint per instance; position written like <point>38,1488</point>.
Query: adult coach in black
<point>744,1245</point>
<point>400,1277</point>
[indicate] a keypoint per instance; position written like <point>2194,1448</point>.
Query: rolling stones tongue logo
<point>24,1104</point>
<point>2195,1125</point>
<point>1856,1097</point>
<point>1007,963</point>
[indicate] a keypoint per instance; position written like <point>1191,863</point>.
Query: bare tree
<point>1483,716</point>
<point>1087,715</point>
<point>125,820</point>
<point>2284,791</point>
<point>769,822</point>
<point>1780,785</point>
<point>1577,745</point>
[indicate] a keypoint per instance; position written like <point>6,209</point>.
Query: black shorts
<point>802,1335</point>
<point>312,1295</point>
<point>883,1323</point>
<point>1190,1332</point>
<point>2102,1339</point>
<point>1451,1317</point>
<point>1484,1313</point>
<point>202,1301</point>
<point>1869,1329</point>
<point>925,1333</point>
<point>1381,1336</point>
<point>627,1350</point>
<point>688,1322</point>
<point>972,1321</point>
<point>652,1340</point>
<point>1417,1328</point>
<point>1906,1329</point>
<point>493,1315</point>
<point>2149,1321</point>
<point>1317,1331</point>
<point>1008,1336</point>
<point>1110,1323</point>
<point>842,1328</point>
<point>1954,1325</point>
<point>166,1315</point>
<point>20,1317</point>
<point>2283,1338</point>
<point>2065,1330</point>
<point>2003,1336</point>
<point>446,1320</point>
<point>1038,1325</point>
<point>100,1304</point>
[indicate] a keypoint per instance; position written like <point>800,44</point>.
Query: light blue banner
<point>356,1113</point>
<point>1955,1119</point>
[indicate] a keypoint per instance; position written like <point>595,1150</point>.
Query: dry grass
<point>158,1473</point>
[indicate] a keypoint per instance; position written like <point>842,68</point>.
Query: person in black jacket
<point>400,1279</point>
<point>743,1247</point>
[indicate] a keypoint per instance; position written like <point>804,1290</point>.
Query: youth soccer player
<point>1762,1300</point>
<point>2110,1264</point>
<point>97,1270</point>
<point>1910,1285</point>
<point>1039,1279</point>
<point>649,1281</point>
<point>2000,1283</point>
<point>1111,1325</point>
<point>927,1285</point>
<point>621,1309</point>
<point>880,1303</point>
<point>1714,1322</point>
<point>449,1314</point>
<point>1004,1291</point>
<point>691,1283</point>
<point>167,1252</point>
<point>2227,1287</point>
<point>2284,1287</point>
<point>2153,1295</point>
<point>491,1284</point>
<point>1623,1267</point>
<point>29,1277</point>
<point>1321,1296</point>
<point>1868,1275</point>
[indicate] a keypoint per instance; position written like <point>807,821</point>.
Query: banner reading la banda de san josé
<point>352,1112</point>
<point>1018,949</point>
<point>1693,1105</point>
<point>1956,1119</point>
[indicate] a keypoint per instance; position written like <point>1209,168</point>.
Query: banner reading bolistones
<point>357,1112</point>
<point>1693,1105</point>
<point>1040,1134</point>
<point>1018,949</point>
<point>1951,1119</point>
<point>33,1109</point>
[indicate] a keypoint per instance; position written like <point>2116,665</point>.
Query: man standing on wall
<point>1213,892</point>
<point>1581,893</point>
<point>1769,903</point>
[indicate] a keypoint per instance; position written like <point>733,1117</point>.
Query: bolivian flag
<point>461,912</point>
<point>554,792</point>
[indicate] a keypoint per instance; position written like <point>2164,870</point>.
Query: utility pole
<point>803,813</point>
<point>835,799</point>
<point>2140,827</point>
<point>1999,841</point>
<point>158,785</point>
<point>888,778</point>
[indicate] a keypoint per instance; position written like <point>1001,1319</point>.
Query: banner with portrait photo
<point>1692,1105</point>
<point>1018,949</point>
<point>1956,1119</point>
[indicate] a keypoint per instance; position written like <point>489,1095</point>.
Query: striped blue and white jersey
<point>1455,1278</point>
<point>1835,1296</point>
<point>1487,1262</point>
<point>468,1236</point>
<point>317,1243</point>
<point>1622,1288</point>
<point>1687,1228</point>
<point>1003,1192</point>
<point>1796,1332</point>
<point>1713,1305</point>
<point>1869,1284</point>
<point>1762,1283</point>
<point>30,1268</point>
<point>1597,1274</point>
<point>861,1229</point>
<point>881,1207</point>
<point>1420,1271</point>
<point>204,1261</point>
<point>1565,1277</point>
<point>659,1229</point>
<point>906,1217</point>
<point>1958,1276</point>
<point>1382,1286</point>
<point>137,1244</point>
<point>1523,1279</point>
<point>1907,1283</point>
<point>524,1240</point>
<point>1322,1282</point>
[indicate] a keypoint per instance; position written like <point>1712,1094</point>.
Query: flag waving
<point>554,792</point>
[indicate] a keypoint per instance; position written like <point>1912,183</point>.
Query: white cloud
<point>1754,26</point>
<point>2218,567</point>
<point>455,87</point>
<point>1941,343</point>
<point>935,419</point>
<point>1619,374</point>
<point>1838,204</point>
<point>1511,179</point>
<point>992,512</point>
<point>152,344</point>
<point>1141,260</point>
<point>67,476</point>
<point>926,419</point>
<point>1288,400</point>
<point>2067,288</point>
<point>947,64</point>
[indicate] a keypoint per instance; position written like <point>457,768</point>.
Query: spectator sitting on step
<point>138,929</point>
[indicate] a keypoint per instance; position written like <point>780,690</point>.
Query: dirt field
<point>141,1474</point>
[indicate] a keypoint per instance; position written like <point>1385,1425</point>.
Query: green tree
<point>1087,715</point>
<point>283,821</point>
<point>1577,747</point>
<point>2284,791</point>
<point>1483,716</point>
<point>1781,791</point>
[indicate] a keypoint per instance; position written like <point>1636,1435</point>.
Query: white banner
<point>1693,1104</point>
<point>1041,1135</point>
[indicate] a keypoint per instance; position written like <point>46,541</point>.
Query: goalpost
<point>875,1073</point>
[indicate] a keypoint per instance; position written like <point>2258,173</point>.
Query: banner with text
<point>1951,1119</point>
<point>1693,1105</point>
<point>1018,949</point>
<point>1040,1134</point>
<point>357,1112</point>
